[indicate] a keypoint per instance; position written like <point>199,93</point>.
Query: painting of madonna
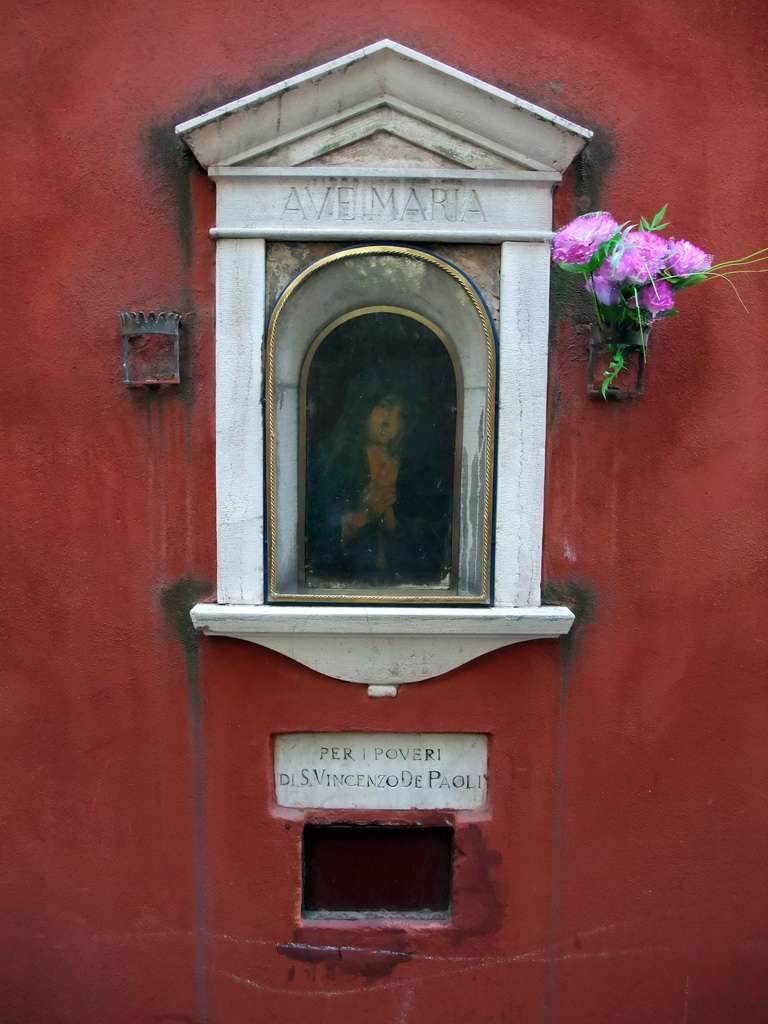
<point>379,485</point>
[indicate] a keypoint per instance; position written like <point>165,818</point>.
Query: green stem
<point>726,277</point>
<point>743,259</point>
<point>614,369</point>
<point>588,279</point>
<point>639,323</point>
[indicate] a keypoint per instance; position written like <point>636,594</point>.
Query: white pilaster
<point>240,298</point>
<point>524,326</point>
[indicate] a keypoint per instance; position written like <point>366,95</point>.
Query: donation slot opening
<point>354,869</point>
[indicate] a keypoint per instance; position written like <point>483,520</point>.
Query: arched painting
<point>379,440</point>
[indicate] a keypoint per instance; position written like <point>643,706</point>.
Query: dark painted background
<point>621,876</point>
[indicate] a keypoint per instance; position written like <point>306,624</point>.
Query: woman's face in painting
<point>386,421</point>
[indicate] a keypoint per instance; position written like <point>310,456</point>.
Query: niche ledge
<point>381,646</point>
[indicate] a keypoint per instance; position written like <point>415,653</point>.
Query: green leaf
<point>600,256</point>
<point>611,314</point>
<point>614,369</point>
<point>644,225</point>
<point>573,268</point>
<point>697,278</point>
<point>688,282</point>
<point>656,224</point>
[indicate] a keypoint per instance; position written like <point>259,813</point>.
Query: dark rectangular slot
<point>377,868</point>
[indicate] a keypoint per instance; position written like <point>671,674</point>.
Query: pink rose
<point>657,297</point>
<point>643,257</point>
<point>578,241</point>
<point>606,292</point>
<point>686,259</point>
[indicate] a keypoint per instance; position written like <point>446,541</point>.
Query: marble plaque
<point>387,771</point>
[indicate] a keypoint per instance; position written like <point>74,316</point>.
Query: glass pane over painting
<point>380,417</point>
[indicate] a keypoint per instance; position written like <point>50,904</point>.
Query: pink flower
<point>606,292</point>
<point>578,241</point>
<point>686,259</point>
<point>657,297</point>
<point>644,255</point>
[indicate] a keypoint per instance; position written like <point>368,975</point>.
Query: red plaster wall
<point>621,874</point>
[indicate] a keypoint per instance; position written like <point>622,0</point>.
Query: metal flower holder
<point>631,379</point>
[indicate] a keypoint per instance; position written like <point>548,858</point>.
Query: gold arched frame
<point>434,596</point>
<point>458,379</point>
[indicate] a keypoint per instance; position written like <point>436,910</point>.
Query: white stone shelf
<point>381,646</point>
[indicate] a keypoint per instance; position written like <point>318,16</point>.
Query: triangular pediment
<point>382,138</point>
<point>385,149</point>
<point>388,106</point>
